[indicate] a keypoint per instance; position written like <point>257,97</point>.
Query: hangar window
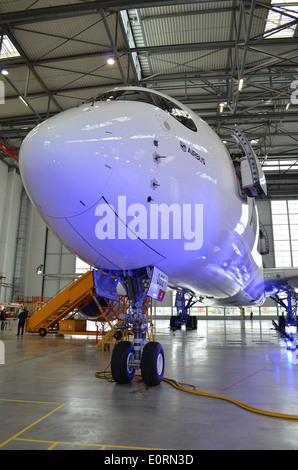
<point>81,266</point>
<point>281,20</point>
<point>285,232</point>
<point>7,49</point>
<point>151,98</point>
<point>280,165</point>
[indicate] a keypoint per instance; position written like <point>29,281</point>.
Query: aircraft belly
<point>110,237</point>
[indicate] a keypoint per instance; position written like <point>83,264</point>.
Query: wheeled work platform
<point>57,315</point>
<point>77,295</point>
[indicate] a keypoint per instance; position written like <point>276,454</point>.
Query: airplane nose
<point>67,161</point>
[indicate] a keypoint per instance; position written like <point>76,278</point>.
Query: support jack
<point>287,324</point>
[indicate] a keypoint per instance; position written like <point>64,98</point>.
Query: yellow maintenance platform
<point>56,315</point>
<point>47,319</point>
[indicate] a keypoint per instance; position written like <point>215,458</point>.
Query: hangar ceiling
<point>196,51</point>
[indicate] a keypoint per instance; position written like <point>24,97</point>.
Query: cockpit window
<point>151,98</point>
<point>125,95</point>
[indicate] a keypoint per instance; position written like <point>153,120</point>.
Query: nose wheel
<point>123,366</point>
<point>152,364</point>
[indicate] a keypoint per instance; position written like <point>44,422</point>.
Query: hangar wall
<point>44,249</point>
<point>10,201</point>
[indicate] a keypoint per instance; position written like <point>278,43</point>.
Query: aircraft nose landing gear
<point>149,357</point>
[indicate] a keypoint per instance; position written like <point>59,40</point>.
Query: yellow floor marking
<point>31,401</point>
<point>102,446</point>
<point>35,422</point>
<point>53,444</point>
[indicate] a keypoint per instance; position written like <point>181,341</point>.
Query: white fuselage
<point>125,185</point>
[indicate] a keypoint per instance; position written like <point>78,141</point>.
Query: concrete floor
<point>51,399</point>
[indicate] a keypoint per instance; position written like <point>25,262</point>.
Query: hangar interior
<point>234,63</point>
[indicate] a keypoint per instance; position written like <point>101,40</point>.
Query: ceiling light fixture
<point>22,99</point>
<point>240,84</point>
<point>111,61</point>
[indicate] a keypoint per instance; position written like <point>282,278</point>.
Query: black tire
<point>122,372</point>
<point>42,331</point>
<point>175,323</point>
<point>172,322</point>
<point>191,322</point>
<point>152,364</point>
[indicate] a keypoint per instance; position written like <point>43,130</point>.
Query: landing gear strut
<point>128,357</point>
<point>289,303</point>
<point>183,317</point>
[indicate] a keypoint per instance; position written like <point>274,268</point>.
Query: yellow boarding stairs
<point>47,318</point>
<point>55,316</point>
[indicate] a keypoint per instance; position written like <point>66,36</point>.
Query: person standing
<point>22,319</point>
<point>3,318</point>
